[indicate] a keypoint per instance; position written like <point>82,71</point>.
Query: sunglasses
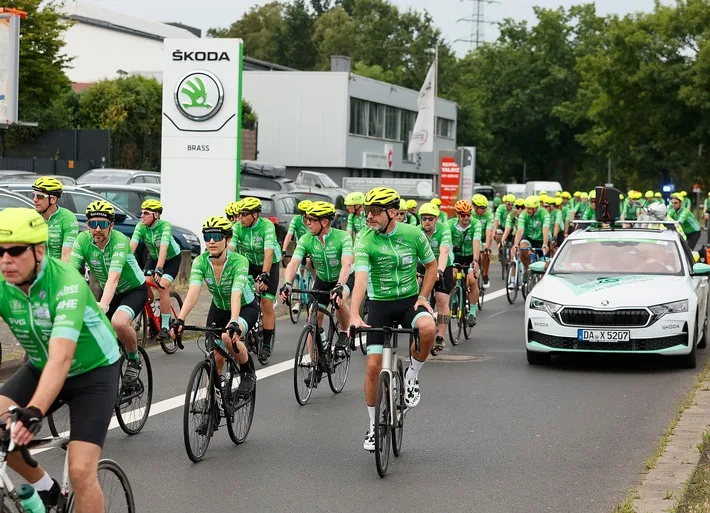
<point>374,210</point>
<point>428,218</point>
<point>39,195</point>
<point>146,212</point>
<point>213,237</point>
<point>103,224</point>
<point>520,207</point>
<point>464,215</point>
<point>245,214</point>
<point>14,251</point>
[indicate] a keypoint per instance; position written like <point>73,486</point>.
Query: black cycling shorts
<point>170,269</point>
<point>256,270</point>
<point>133,300</point>
<point>248,313</point>
<point>463,260</point>
<point>324,299</point>
<point>390,313</point>
<point>448,284</point>
<point>91,398</point>
<point>535,244</point>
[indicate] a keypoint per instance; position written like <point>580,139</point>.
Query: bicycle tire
<point>503,260</point>
<point>383,431</point>
<point>455,315</point>
<point>169,345</point>
<point>464,324</point>
<point>302,350</point>
<point>59,421</point>
<point>239,425</point>
<point>526,284</point>
<point>140,324</point>
<point>364,311</point>
<point>481,290</point>
<point>398,429</point>
<point>109,466</point>
<point>294,316</point>
<point>197,407</point>
<point>512,295</point>
<point>339,365</point>
<point>132,426</point>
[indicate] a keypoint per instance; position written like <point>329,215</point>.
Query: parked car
<point>12,200</point>
<point>30,177</point>
<point>279,208</point>
<point>77,199</point>
<point>306,179</point>
<point>128,197</point>
<point>341,215</point>
<point>259,175</point>
<point>120,176</point>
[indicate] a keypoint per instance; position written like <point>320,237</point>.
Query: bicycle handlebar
<point>202,329</point>
<point>387,330</point>
<point>314,292</point>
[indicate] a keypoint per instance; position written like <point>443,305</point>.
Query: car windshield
<point>105,177</point>
<point>488,192</point>
<point>618,256</point>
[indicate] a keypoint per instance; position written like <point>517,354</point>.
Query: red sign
<point>450,177</point>
<point>389,158</point>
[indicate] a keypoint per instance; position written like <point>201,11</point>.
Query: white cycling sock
<point>413,370</point>
<point>44,484</point>
<point>371,411</point>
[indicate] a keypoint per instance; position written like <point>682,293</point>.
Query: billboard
<point>9,63</point>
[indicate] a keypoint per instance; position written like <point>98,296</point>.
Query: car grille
<point>628,317</point>
<point>648,344</point>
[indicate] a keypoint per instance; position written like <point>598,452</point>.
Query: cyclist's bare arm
<point>110,287</point>
<point>346,264</point>
<point>518,237</point>
<point>287,241</point>
<point>66,254</point>
<point>545,235</point>
<point>489,237</point>
<point>292,268</point>
<point>506,233</point>
<point>443,257</point>
<point>476,250</point>
<point>429,279</point>
<point>236,306</point>
<point>134,246</point>
<point>268,260</point>
<point>162,255</point>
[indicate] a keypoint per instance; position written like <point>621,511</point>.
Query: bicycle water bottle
<point>30,499</point>
<point>156,307</point>
<point>321,337</point>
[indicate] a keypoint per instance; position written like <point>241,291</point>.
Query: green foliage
<point>249,117</point>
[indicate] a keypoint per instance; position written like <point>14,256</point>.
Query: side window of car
<point>80,202</point>
<point>10,202</point>
<point>138,179</point>
<point>340,203</point>
<point>290,205</point>
<point>119,198</point>
<point>66,201</point>
<point>152,179</point>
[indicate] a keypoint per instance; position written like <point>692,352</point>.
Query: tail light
<point>273,219</point>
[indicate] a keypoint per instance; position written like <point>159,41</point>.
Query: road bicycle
<point>459,307</point>
<point>148,322</point>
<point>303,281</point>
<point>118,494</point>
<point>389,406</point>
<point>503,249</point>
<point>315,352</point>
<point>481,289</point>
<point>514,278</point>
<point>254,338</point>
<point>206,403</point>
<point>530,278</point>
<point>133,401</point>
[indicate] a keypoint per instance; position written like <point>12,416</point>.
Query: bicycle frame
<point>313,312</point>
<point>152,318</point>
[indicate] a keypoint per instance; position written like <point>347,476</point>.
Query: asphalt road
<point>492,435</point>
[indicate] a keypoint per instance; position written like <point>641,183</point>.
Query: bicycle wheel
<point>295,316</point>
<point>118,494</point>
<point>134,400</point>
<point>456,314</point>
<point>512,294</point>
<point>383,431</point>
<point>364,310</point>
<point>198,411</point>
<point>398,392</point>
<point>140,324</point>
<point>481,290</point>
<point>503,260</point>
<point>304,368</point>
<point>465,327</point>
<point>239,424</point>
<point>169,345</point>
<point>526,288</point>
<point>58,420</point>
<point>340,365</point>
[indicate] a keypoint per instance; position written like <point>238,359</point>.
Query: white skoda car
<point>619,291</point>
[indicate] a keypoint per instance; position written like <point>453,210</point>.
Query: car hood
<point>609,291</point>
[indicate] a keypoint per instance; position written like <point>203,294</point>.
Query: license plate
<point>604,335</point>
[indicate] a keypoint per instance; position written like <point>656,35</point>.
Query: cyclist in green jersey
<point>62,223</point>
<point>107,253</point>
<point>686,200</point>
<point>566,209</point>
<point>412,216</point>
<point>255,238</point>
<point>553,225</point>
<point>533,230</point>
<point>485,217</point>
<point>297,226</point>
<point>591,209</point>
<point>443,217</point>
<point>511,221</point>
<point>386,262</point>
<point>356,215</point>
<point>331,251</point>
<point>501,214</point>
<point>401,216</point>
<point>439,235</point>
<point>687,220</point>
<point>466,240</point>
<point>231,212</point>
<point>233,305</point>
<point>72,356</point>
<point>631,206</point>
<point>163,256</point>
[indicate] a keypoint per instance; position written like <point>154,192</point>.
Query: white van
<point>534,188</point>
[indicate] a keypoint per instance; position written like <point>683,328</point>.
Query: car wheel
<point>690,360</point>
<point>704,335</point>
<point>535,358</point>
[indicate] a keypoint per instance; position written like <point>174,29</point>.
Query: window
<point>391,123</point>
<point>376,121</point>
<point>139,179</point>
<point>10,202</point>
<point>358,116</point>
<point>258,182</point>
<point>118,198</point>
<point>445,128</point>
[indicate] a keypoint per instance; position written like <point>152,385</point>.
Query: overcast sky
<point>219,13</point>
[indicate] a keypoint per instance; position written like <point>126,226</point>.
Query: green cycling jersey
<point>706,204</point>
<point>501,215</point>
<point>511,222</point>
<point>391,261</point>
<point>486,221</point>
<point>297,228</point>
<point>441,237</point>
<point>686,219</point>
<point>532,225</point>
<point>253,241</point>
<point>356,222</point>
<point>116,256</point>
<point>462,238</point>
<point>443,216</point>
<point>63,230</point>
<point>59,305</point>
<point>630,210</point>
<point>235,276</point>
<point>327,256</point>
<point>159,234</point>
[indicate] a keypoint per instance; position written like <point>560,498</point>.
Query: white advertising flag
<point>422,139</point>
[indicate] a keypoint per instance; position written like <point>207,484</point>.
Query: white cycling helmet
<point>658,211</point>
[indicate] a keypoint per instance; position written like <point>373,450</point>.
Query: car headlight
<point>670,308</point>
<point>544,306</point>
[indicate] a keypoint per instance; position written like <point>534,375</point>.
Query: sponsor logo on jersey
<point>68,289</point>
<point>407,259</point>
<point>16,305</point>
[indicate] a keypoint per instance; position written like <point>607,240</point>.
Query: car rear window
<point>267,207</point>
<point>105,177</point>
<point>258,182</point>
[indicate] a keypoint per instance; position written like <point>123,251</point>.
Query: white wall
<point>303,116</point>
<point>99,52</point>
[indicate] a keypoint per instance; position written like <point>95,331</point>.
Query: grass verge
<point>697,493</point>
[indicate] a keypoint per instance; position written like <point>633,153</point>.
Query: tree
<point>295,39</point>
<point>249,117</point>
<point>333,34</point>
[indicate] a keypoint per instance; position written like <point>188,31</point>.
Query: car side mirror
<point>701,269</point>
<point>539,267</point>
